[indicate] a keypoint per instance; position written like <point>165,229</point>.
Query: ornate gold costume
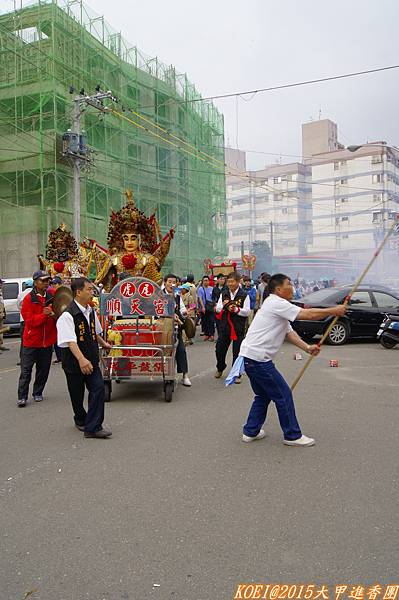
<point>135,247</point>
<point>63,256</point>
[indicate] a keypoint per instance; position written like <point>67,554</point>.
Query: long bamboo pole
<point>347,299</point>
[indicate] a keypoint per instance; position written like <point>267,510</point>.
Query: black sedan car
<point>366,311</point>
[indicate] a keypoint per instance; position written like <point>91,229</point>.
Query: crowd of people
<point>231,310</point>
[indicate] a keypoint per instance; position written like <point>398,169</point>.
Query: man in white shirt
<point>79,336</point>
<point>232,311</point>
<point>270,327</point>
<point>170,282</point>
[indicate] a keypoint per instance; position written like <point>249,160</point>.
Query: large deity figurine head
<point>130,230</point>
<point>61,245</point>
<point>131,242</point>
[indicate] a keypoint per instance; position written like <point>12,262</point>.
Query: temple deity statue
<point>135,247</point>
<point>63,256</point>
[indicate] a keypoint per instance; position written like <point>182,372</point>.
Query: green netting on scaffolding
<point>47,47</point>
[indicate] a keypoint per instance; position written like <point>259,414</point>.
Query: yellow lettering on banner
<point>258,591</point>
<point>340,591</point>
<point>238,595</point>
<point>250,591</point>
<point>391,592</point>
<point>264,597</point>
<point>374,591</point>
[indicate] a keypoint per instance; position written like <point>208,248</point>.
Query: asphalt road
<point>175,507</point>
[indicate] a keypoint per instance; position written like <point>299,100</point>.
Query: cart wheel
<point>108,390</point>
<point>117,380</point>
<point>168,390</point>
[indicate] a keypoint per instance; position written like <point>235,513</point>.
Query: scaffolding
<point>45,48</point>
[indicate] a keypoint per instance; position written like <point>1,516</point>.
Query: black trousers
<point>94,417</point>
<point>181,355</point>
<point>21,328</point>
<point>41,357</point>
<point>208,322</point>
<point>222,346</point>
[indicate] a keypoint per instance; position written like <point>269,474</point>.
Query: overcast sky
<point>235,45</point>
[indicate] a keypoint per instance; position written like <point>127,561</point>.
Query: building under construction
<point>168,149</point>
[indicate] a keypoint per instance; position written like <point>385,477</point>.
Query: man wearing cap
<point>39,336</point>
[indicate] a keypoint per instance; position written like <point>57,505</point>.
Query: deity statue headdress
<point>61,244</point>
<point>129,219</point>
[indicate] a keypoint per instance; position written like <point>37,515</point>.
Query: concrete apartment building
<point>325,213</point>
<point>355,196</point>
<point>271,205</point>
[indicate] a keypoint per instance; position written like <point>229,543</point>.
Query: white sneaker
<point>302,441</point>
<point>185,381</point>
<point>248,438</point>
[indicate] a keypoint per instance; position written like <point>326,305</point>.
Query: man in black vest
<point>232,311</point>
<point>78,337</point>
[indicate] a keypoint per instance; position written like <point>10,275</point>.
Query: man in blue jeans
<point>270,327</point>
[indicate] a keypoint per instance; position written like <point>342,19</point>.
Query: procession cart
<point>139,320</point>
<point>213,270</point>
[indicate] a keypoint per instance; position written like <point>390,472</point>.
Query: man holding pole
<point>270,327</point>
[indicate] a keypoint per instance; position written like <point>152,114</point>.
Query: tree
<point>264,261</point>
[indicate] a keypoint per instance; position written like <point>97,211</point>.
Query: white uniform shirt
<point>245,311</point>
<point>267,331</point>
<point>66,326</point>
<point>20,299</point>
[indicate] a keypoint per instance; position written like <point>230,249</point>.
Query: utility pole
<point>76,173</point>
<point>74,144</point>
<point>271,239</point>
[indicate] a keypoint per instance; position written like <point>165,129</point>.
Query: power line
<point>281,87</point>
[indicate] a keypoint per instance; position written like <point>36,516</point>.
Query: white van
<point>11,289</point>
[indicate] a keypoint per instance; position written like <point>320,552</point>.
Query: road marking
<point>9,370</point>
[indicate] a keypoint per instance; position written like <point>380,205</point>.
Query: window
<point>385,300</point>
<point>239,201</point>
<point>361,299</point>
<point>343,181</point>
<point>336,165</point>
<point>161,101</point>
<point>343,163</point>
<point>377,178</point>
<point>376,159</point>
<point>377,197</point>
<point>182,117</point>
<point>163,160</point>
<point>183,164</point>
<point>276,180</point>
<point>285,211</point>
<point>133,93</point>
<point>236,232</point>
<point>345,219</point>
<point>377,217</point>
<point>10,291</point>
<point>134,153</point>
<point>240,216</point>
<point>344,199</point>
<point>163,212</point>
